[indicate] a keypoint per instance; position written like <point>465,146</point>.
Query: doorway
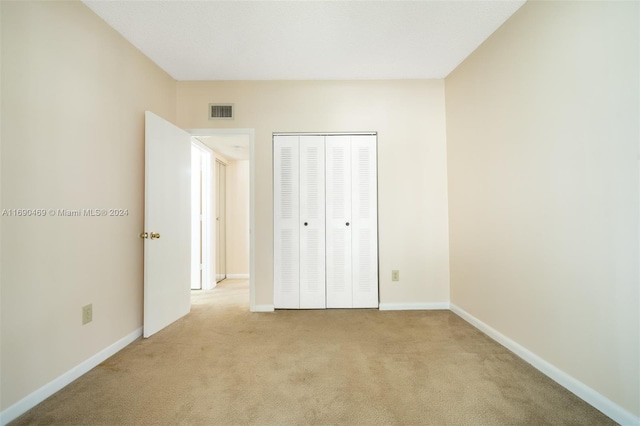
<point>236,141</point>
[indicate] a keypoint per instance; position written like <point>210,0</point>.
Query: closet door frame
<point>364,247</point>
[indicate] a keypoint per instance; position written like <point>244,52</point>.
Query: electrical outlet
<point>395,275</point>
<point>87,314</point>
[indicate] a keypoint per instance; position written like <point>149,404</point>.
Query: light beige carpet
<point>223,365</point>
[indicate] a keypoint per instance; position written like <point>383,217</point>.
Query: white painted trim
<point>237,276</point>
<point>414,306</point>
<point>252,221</point>
<point>262,308</point>
<point>39,395</point>
<point>207,285</point>
<point>581,390</point>
<point>325,133</point>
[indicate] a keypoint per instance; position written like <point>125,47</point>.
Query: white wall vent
<point>220,111</point>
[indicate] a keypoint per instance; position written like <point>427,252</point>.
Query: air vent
<point>220,111</point>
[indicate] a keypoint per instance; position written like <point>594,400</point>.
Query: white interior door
<point>286,224</point>
<point>221,221</point>
<point>201,216</point>
<point>364,228</point>
<point>167,250</point>
<point>338,229</point>
<point>312,223</point>
<point>196,217</point>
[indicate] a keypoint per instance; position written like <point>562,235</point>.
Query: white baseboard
<point>39,395</point>
<point>583,391</point>
<point>237,276</point>
<point>209,286</point>
<point>600,402</point>
<point>414,306</point>
<point>263,308</point>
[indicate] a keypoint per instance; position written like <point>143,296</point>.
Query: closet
<point>325,221</point>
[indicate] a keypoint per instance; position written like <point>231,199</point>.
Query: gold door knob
<point>144,235</point>
<point>155,235</point>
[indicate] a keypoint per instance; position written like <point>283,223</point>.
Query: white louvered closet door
<point>364,229</point>
<point>338,228</point>
<point>286,232</point>
<point>312,223</point>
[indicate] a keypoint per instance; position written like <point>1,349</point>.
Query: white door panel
<point>312,223</point>
<point>338,222</point>
<point>365,222</point>
<point>286,224</point>
<point>167,269</point>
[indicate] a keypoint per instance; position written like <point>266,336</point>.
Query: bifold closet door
<point>312,223</point>
<point>352,223</point>
<point>364,229</point>
<point>299,222</point>
<point>286,224</point>
<point>338,196</point>
<point>325,221</point>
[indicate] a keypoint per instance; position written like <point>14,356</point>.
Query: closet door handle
<point>305,224</point>
<point>347,223</point>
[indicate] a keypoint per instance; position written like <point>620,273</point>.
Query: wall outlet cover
<point>87,314</point>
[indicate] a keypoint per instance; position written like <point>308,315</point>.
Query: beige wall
<point>73,100</point>
<point>542,129</point>
<point>238,217</point>
<point>412,187</point>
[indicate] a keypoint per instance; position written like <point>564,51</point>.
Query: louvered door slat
<point>286,227</point>
<point>312,222</point>
<point>364,229</point>
<point>338,199</point>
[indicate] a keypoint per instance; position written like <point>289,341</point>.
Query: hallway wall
<point>238,218</point>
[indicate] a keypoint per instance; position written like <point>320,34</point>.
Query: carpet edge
<point>584,392</point>
<point>34,398</point>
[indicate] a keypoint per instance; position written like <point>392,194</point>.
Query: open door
<point>167,225</point>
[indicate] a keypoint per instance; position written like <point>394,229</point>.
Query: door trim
<point>325,134</point>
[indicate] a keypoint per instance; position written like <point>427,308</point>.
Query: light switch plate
<point>87,314</point>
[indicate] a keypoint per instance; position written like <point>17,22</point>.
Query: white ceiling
<point>231,146</point>
<point>298,40</point>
